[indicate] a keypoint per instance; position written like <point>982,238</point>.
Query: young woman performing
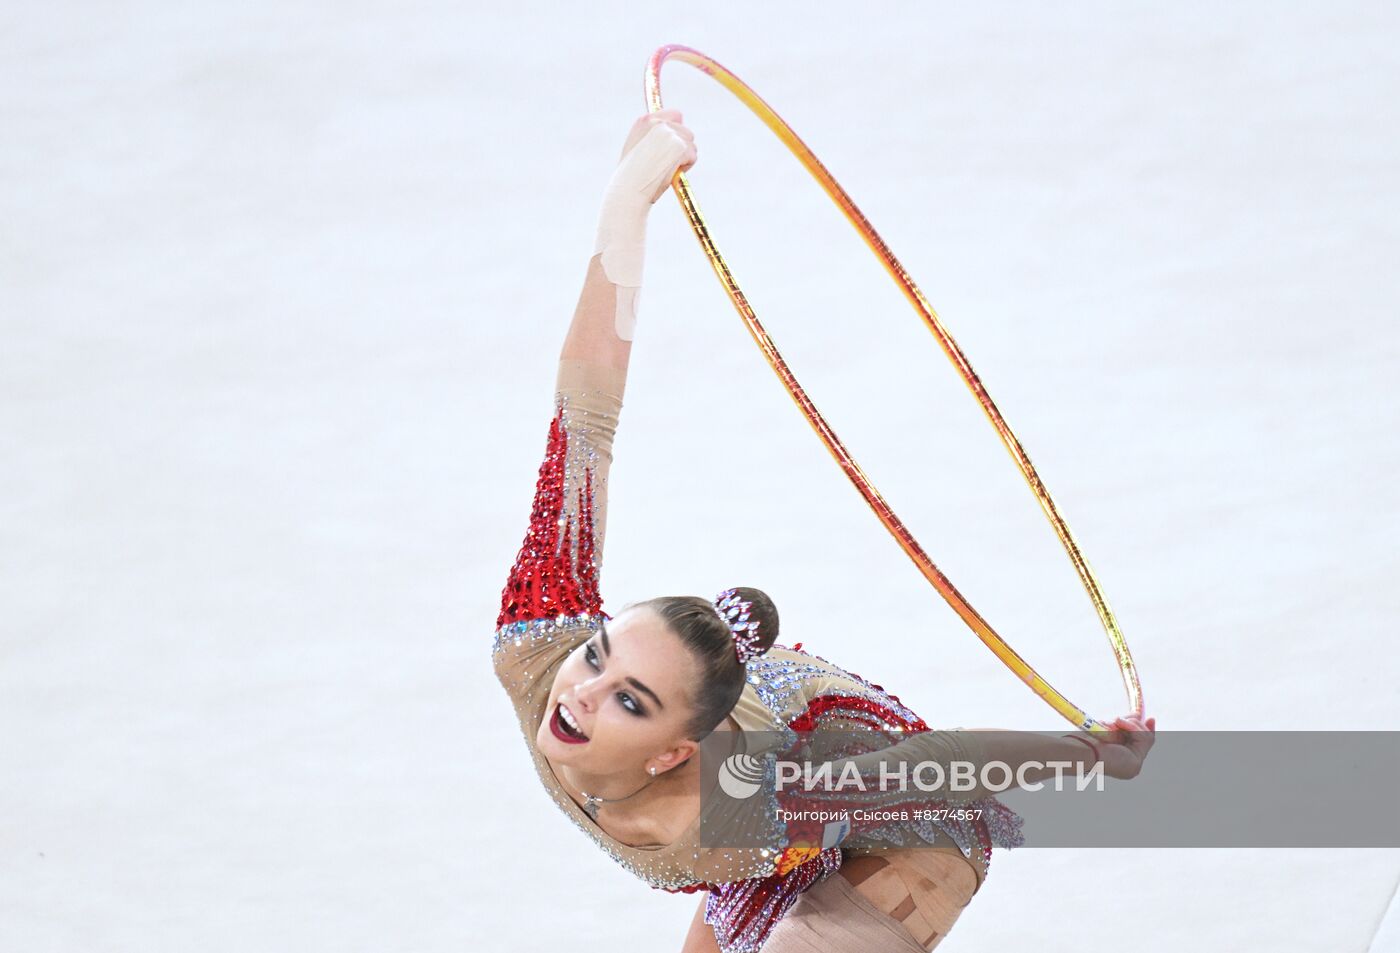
<point>613,708</point>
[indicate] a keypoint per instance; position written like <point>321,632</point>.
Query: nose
<point>586,693</point>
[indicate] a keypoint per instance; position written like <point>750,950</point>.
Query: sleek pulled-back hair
<point>695,621</point>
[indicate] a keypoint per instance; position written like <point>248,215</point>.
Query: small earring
<point>652,769</point>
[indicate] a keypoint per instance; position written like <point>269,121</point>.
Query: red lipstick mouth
<point>563,730</point>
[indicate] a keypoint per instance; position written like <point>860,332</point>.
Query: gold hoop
<point>931,572</point>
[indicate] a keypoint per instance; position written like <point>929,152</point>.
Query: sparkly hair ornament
<point>734,612</point>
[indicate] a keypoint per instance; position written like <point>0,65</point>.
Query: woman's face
<point>619,701</point>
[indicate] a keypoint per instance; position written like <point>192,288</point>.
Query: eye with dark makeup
<point>629,704</point>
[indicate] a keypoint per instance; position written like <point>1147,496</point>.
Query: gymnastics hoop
<point>906,540</point>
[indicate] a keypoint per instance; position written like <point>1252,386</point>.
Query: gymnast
<point>613,708</point>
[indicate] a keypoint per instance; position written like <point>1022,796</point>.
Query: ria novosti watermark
<point>741,776</point>
<point>1207,789</point>
<point>956,777</point>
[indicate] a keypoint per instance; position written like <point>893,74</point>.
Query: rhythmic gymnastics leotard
<point>552,603</point>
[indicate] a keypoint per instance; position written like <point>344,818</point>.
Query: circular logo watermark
<point>741,775</point>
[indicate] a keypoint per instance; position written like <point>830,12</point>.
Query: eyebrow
<point>607,650</point>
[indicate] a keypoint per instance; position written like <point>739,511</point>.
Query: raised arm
<point>601,333</point>
<point>556,571</point>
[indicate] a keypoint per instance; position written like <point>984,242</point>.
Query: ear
<point>675,755</point>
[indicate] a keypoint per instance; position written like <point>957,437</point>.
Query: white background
<point>282,288</point>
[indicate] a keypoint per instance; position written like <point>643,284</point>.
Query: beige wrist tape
<point>621,238</point>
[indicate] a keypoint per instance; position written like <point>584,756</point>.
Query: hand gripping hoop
<point>906,540</point>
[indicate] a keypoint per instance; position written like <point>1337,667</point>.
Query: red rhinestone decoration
<point>552,576</point>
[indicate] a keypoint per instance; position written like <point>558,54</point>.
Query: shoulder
<point>789,679</point>
<point>524,652</point>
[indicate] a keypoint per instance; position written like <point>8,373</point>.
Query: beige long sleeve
<point>593,396</point>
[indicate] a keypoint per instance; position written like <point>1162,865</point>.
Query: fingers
<point>671,118</point>
<point>1142,734</point>
<point>1135,735</point>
